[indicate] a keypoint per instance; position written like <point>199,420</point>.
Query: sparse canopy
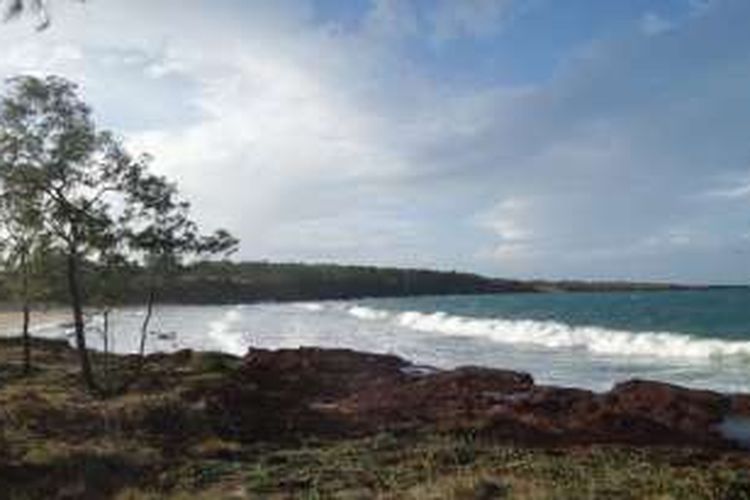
<point>23,246</point>
<point>93,199</point>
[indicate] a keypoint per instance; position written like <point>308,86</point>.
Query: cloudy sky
<point>523,138</point>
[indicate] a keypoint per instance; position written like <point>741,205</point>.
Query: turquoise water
<point>593,340</point>
<point>719,313</point>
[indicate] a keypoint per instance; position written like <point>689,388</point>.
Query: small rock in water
<point>165,335</point>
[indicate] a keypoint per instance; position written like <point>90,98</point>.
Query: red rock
<point>443,399</point>
<point>280,393</point>
<point>691,414</point>
<point>740,404</point>
<point>337,392</point>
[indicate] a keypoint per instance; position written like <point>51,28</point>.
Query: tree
<point>162,234</point>
<point>24,246</point>
<point>97,200</point>
<point>50,147</point>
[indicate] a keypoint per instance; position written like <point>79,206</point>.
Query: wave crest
<point>221,332</point>
<point>368,313</point>
<point>594,339</point>
<point>557,335</point>
<point>309,306</point>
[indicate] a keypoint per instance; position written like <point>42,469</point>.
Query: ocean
<point>694,338</point>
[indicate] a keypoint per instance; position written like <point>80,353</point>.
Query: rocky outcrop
<point>336,392</point>
<point>291,392</point>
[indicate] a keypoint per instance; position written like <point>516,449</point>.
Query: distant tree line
<point>227,282</point>
<point>223,282</point>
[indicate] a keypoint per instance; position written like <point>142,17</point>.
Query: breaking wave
<point>368,313</point>
<point>220,331</point>
<point>557,335</point>
<point>309,306</point>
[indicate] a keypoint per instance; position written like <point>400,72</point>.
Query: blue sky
<point>526,138</point>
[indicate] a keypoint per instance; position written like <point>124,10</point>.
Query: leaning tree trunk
<point>144,327</point>
<point>26,316</point>
<point>140,360</point>
<point>78,323</point>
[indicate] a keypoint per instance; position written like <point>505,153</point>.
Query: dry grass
<point>56,441</point>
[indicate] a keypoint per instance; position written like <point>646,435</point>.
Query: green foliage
<point>212,282</point>
<point>51,150</point>
<point>228,282</point>
<point>80,194</point>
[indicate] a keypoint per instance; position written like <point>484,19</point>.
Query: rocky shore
<point>282,424</point>
<point>346,393</point>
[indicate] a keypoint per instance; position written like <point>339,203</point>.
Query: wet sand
<point>10,321</point>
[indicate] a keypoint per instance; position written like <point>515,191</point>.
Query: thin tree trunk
<point>105,336</point>
<point>26,340</point>
<point>26,316</point>
<point>144,335</point>
<point>146,322</point>
<point>142,343</point>
<point>78,323</point>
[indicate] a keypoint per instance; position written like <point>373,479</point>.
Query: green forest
<point>209,282</point>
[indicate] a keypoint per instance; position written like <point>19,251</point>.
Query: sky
<point>584,139</point>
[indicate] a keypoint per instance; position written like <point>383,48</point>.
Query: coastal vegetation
<point>172,436</point>
<point>69,188</point>
<point>217,282</point>
<point>231,282</point>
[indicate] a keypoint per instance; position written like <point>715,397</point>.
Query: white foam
<point>220,331</point>
<point>368,313</point>
<point>47,327</point>
<point>310,306</point>
<point>557,335</point>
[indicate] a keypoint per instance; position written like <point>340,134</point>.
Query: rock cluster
<point>338,392</point>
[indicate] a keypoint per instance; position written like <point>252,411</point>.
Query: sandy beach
<point>10,320</point>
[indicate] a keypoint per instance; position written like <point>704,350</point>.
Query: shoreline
<point>393,390</point>
<point>578,355</point>
<point>10,320</point>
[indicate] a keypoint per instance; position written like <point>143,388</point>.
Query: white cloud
<point>735,188</point>
<point>508,219</point>
<point>510,222</point>
<point>316,143</point>
<point>475,18</point>
<point>654,24</point>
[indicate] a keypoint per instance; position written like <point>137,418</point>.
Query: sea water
<point>593,340</point>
